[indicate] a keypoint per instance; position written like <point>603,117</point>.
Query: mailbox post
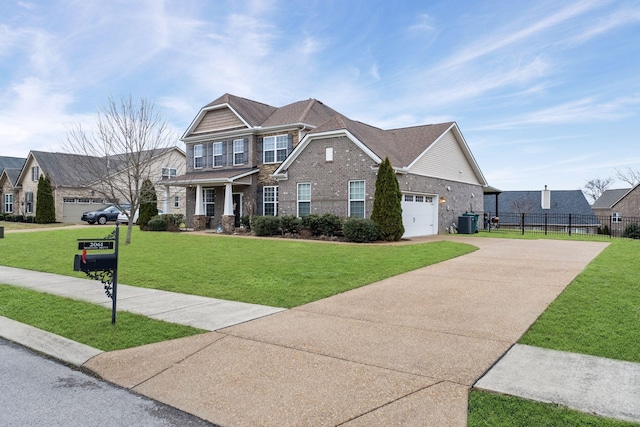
<point>103,267</point>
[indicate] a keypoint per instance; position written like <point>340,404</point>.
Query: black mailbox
<point>98,262</point>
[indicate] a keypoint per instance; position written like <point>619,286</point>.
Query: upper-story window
<point>218,154</point>
<point>275,148</point>
<point>35,173</point>
<point>169,173</point>
<point>198,156</point>
<point>238,151</point>
<point>616,217</point>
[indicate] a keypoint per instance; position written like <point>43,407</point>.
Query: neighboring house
<point>556,210</point>
<point>75,188</point>
<point>618,208</point>
<point>245,157</point>
<point>9,193</point>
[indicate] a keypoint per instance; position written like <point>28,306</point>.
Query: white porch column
<point>199,210</point>
<point>228,199</point>
<point>167,194</point>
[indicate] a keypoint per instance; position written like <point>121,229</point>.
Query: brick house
<point>74,187</point>
<point>618,207</point>
<point>246,157</point>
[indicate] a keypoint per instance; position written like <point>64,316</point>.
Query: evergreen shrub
<point>360,230</point>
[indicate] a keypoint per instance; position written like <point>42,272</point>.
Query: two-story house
<point>250,158</point>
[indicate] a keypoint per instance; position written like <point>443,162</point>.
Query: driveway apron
<point>402,351</point>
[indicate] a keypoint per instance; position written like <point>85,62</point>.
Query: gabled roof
<point>209,177</point>
<point>311,112</point>
<point>254,113</point>
<point>12,175</point>
<point>609,198</point>
<point>11,163</point>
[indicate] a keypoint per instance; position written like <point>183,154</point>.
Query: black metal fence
<point>567,224</point>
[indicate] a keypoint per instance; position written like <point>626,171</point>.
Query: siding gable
<point>219,119</point>
<point>445,159</point>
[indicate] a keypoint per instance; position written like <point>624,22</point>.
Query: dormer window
<point>275,148</point>
<point>198,156</point>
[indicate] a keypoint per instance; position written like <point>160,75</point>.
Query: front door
<point>237,207</point>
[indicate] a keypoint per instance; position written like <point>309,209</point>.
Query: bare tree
<point>119,153</point>
<point>522,205</point>
<point>596,186</point>
<point>630,176</point>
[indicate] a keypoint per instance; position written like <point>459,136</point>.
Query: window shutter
<point>190,156</point>
<point>260,156</point>
<point>224,153</point>
<point>245,155</point>
<point>289,144</point>
<point>209,154</point>
<point>230,152</point>
<point>259,204</point>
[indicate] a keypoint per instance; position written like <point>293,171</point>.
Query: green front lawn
<point>274,272</point>
<point>87,323</point>
<point>494,410</point>
<point>599,312</point>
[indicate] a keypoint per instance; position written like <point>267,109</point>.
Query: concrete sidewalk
<point>403,351</point>
<point>200,312</point>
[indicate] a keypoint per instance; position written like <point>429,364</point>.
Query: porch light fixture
<point>442,200</point>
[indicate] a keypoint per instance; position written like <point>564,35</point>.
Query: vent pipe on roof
<point>546,198</point>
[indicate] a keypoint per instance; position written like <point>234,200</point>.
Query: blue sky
<point>545,92</point>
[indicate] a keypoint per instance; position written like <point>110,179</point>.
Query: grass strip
<point>274,272</point>
<point>84,322</point>
<point>599,312</point>
<point>495,410</point>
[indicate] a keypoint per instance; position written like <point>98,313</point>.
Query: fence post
<point>522,222</point>
<point>569,224</point>
<point>545,223</point>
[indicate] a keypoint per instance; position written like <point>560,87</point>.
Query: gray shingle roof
<point>11,163</point>
<point>563,202</point>
<point>609,198</point>
<point>255,113</point>
<point>12,174</point>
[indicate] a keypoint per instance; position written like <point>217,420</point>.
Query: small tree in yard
<point>387,204</point>
<point>148,203</point>
<point>45,206</point>
<point>120,152</point>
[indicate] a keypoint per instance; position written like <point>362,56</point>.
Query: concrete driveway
<point>403,351</point>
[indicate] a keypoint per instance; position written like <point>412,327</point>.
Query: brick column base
<point>228,224</point>
<point>199,222</point>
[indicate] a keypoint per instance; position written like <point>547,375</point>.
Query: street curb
<point>60,348</point>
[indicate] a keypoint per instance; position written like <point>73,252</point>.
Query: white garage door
<point>419,215</point>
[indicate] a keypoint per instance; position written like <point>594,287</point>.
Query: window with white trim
<point>408,198</point>
<point>209,198</point>
<point>8,203</point>
<point>616,217</point>
<point>356,199</point>
<point>176,201</point>
<point>35,173</point>
<point>419,199</point>
<point>28,202</point>
<point>328,154</point>
<point>270,200</point>
<point>275,148</point>
<point>218,156</point>
<point>238,151</point>
<point>198,156</point>
<point>69,200</point>
<point>169,173</point>
<point>304,198</point>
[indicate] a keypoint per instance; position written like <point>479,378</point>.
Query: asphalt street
<point>37,391</point>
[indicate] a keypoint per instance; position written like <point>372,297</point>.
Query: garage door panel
<point>419,215</point>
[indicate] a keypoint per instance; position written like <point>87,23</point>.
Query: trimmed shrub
<point>245,221</point>
<point>311,223</point>
<point>157,223</point>
<point>148,203</point>
<point>290,224</point>
<point>387,204</point>
<point>632,231</point>
<point>30,219</point>
<point>45,205</point>
<point>2,216</point>
<point>18,218</point>
<point>266,225</point>
<point>329,225</point>
<point>360,230</point>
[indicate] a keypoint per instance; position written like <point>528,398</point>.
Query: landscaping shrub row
<point>17,218</point>
<point>165,222</point>
<point>327,225</point>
